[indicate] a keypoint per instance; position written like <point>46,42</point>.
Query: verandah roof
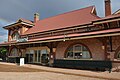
<point>103,33</point>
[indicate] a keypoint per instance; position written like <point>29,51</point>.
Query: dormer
<point>18,28</point>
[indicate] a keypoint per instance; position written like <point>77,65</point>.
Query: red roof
<point>69,19</point>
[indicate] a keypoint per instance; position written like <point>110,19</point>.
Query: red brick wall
<point>93,44</point>
<point>116,42</point>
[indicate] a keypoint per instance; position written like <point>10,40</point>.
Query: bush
<point>3,52</point>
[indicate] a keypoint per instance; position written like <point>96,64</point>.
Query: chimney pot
<point>36,17</point>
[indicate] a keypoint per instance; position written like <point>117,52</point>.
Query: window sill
<point>117,59</point>
<point>76,59</point>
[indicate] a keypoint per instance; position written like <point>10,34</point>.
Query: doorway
<point>29,58</point>
<point>38,56</point>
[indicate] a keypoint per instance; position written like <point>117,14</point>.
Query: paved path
<point>16,68</point>
<point>85,73</point>
<point>50,73</point>
<point>41,76</point>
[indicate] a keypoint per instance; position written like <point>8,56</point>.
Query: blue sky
<point>11,10</point>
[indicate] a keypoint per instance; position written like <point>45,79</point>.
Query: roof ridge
<point>76,10</point>
<point>25,19</point>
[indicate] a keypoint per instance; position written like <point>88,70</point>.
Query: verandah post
<point>51,54</point>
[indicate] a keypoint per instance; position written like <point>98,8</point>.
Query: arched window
<point>118,55</point>
<point>14,52</point>
<point>15,36</point>
<point>78,51</point>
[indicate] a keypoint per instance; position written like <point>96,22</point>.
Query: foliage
<point>3,51</point>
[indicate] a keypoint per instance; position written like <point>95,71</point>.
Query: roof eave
<point>17,23</point>
<point>106,20</point>
<point>84,25</point>
<point>11,25</point>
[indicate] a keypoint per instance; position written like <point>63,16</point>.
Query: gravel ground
<point>15,68</point>
<point>13,72</point>
<point>41,76</point>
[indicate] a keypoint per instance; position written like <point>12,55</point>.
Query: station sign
<point>22,40</point>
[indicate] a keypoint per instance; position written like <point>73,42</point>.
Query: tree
<point>3,52</point>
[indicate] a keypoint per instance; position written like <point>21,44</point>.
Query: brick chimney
<point>36,17</point>
<point>107,7</point>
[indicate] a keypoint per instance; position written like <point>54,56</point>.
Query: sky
<point>12,10</point>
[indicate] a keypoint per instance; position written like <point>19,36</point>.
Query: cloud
<point>12,10</point>
<point>3,38</point>
<point>3,32</point>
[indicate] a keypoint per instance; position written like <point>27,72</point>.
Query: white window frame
<point>79,51</point>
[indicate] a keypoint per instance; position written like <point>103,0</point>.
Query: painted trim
<point>116,61</point>
<point>38,48</point>
<point>93,9</point>
<point>12,25</point>
<point>27,24</point>
<point>106,21</point>
<point>17,23</point>
<point>15,32</point>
